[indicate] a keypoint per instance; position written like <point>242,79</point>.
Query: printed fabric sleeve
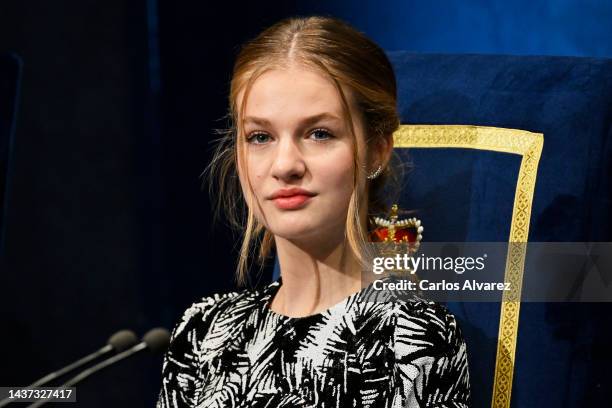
<point>431,367</point>
<point>181,374</point>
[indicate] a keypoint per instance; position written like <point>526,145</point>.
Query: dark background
<point>107,226</point>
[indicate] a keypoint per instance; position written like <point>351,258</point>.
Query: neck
<point>314,278</point>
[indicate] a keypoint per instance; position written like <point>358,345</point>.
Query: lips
<point>291,199</point>
<point>292,202</point>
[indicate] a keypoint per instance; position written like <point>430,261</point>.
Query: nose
<point>289,161</point>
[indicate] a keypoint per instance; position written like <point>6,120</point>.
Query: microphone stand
<point>56,374</point>
<point>91,370</point>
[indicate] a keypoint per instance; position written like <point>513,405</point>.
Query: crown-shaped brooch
<point>393,230</point>
<point>395,236</point>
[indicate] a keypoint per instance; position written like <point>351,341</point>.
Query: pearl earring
<point>376,173</point>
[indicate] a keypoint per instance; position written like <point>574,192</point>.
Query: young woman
<point>313,108</point>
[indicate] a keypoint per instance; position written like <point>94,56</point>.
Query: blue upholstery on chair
<point>468,196</point>
<point>562,356</point>
<point>569,100</point>
<point>10,72</point>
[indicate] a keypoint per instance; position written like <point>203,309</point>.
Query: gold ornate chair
<point>526,147</point>
<point>488,183</point>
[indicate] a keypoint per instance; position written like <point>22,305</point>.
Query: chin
<point>302,230</point>
<point>295,233</point>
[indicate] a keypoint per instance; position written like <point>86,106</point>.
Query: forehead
<point>292,93</point>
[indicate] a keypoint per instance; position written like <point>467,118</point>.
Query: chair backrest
<point>466,188</point>
<point>554,117</point>
<point>10,74</point>
<point>456,170</point>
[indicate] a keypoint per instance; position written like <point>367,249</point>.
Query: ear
<point>383,150</point>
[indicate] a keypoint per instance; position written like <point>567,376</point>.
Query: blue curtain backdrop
<point>517,27</point>
<point>107,225</point>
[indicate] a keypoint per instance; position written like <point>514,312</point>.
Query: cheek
<point>336,173</point>
<point>251,182</point>
<point>257,176</point>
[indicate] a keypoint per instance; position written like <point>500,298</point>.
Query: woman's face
<point>298,154</point>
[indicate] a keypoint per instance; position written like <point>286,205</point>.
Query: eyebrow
<point>304,122</point>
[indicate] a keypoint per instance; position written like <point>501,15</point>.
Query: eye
<point>258,138</point>
<point>321,135</point>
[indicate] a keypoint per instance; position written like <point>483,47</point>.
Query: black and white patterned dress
<point>232,350</point>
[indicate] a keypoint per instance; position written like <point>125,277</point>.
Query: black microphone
<point>156,340</point>
<point>119,341</point>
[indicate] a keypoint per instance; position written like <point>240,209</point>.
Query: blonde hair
<point>348,58</point>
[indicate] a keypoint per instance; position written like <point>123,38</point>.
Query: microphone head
<point>122,340</point>
<point>157,340</point>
